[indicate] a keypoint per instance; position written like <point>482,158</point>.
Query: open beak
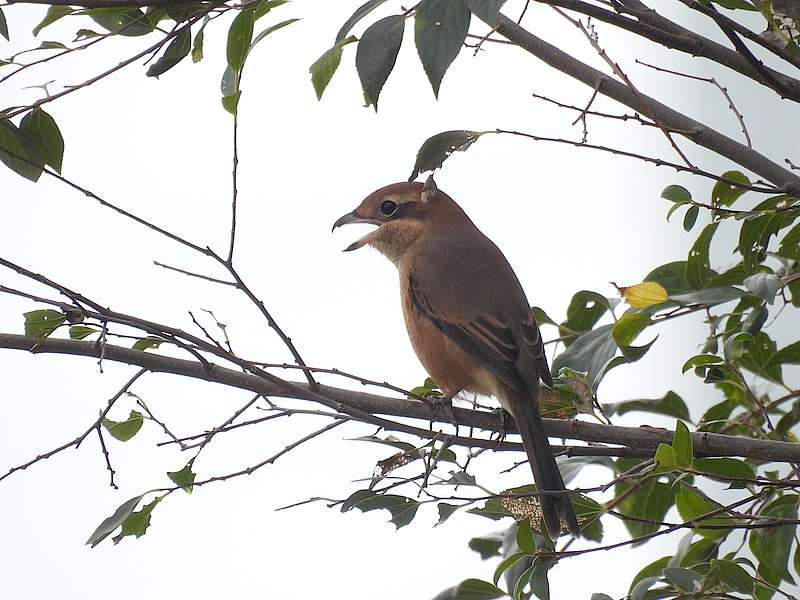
<point>349,218</point>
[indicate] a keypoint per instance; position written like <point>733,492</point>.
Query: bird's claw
<point>442,409</point>
<point>503,416</point>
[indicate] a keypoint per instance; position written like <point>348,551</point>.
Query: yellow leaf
<point>644,294</point>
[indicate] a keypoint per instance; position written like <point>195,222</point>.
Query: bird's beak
<point>353,217</point>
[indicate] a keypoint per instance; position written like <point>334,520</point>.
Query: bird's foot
<point>503,416</point>
<point>442,410</point>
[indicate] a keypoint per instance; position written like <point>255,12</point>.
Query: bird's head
<point>402,211</point>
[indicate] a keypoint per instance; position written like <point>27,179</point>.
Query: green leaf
<point>197,46</point>
<point>491,509</point>
<point>589,353</point>
<point>672,276</point>
<point>125,21</point>
<point>756,233</point>
<point>639,591</point>
<point>787,355</point>
<point>629,326</point>
<point>690,218</point>
<point>240,34</point>
<point>598,596</point>
<point>265,6</point>
<point>652,570</point>
<point>698,267</point>
<point>710,296</point>
<point>665,456</point>
<point>111,523</point>
<point>691,504</point>
<point>177,50</point>
<point>125,430</point>
<point>445,511</point>
<point>438,148</point>
<point>361,12</point>
<point>524,537</point>
<point>3,25</point>
<point>686,580</point>
<point>488,546</point>
<point>701,360</point>
<point>772,546</point>
<point>585,309</point>
<point>725,194</point>
<point>734,576</point>
<point>79,332</point>
<point>147,343</point>
<point>376,54</point>
<point>508,562</point>
<point>765,285</point>
<point>41,323</point>
<point>440,28</point>
<point>41,130</point>
<point>137,522</point>
<point>325,66</point>
<point>269,30</point>
<point>476,589</point>
<point>727,468</point>
<point>671,405</point>
<point>733,276</point>
<point>231,103</point>
<point>401,508</point>
<point>540,584</point>
<point>650,501</point>
<point>736,345</point>
<point>18,153</point>
<point>759,356</point>
<point>682,443</point>
<point>54,13</point>
<point>85,34</point>
<point>486,10</point>
<point>570,467</point>
<point>183,478</point>
<point>676,193</point>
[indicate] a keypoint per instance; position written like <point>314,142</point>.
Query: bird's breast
<point>449,366</point>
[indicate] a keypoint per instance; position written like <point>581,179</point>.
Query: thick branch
<point>664,115</point>
<point>705,444</point>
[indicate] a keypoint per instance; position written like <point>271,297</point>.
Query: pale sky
<point>566,218</point>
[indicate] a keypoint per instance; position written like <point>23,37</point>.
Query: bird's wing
<point>481,307</point>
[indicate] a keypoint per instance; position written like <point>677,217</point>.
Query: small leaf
<point>376,54</point>
<point>54,13</point>
<point>41,130</point>
<point>476,589</point>
<point>440,28</point>
<point>199,38</point>
<point>137,522</point>
<point>525,537</point>
<point>269,30</point>
<point>691,504</point>
<point>361,12</point>
<point>18,153</point>
<point>676,193</point>
<point>682,443</point>
<point>629,326</point>
<point>665,456</point>
<point>3,25</point>
<point>736,345</point>
<point>438,148</point>
<point>508,562</point>
<point>734,576</point>
<point>701,360</point>
<point>772,546</point>
<point>125,430</point>
<point>125,21</point>
<point>710,296</point>
<point>671,405</point>
<point>240,35</point>
<point>445,511</point>
<point>487,546</point>
<point>325,66</point>
<point>725,194</point>
<point>727,468</point>
<point>177,50</point>
<point>686,580</point>
<point>401,508</point>
<point>644,294</point>
<point>765,285</point>
<point>590,354</point>
<point>147,343</point>
<point>111,523</point>
<point>41,323</point>
<point>639,591</point>
<point>79,332</point>
<point>698,268</point>
<point>183,478</point>
<point>690,218</point>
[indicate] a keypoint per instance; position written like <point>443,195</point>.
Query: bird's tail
<point>555,507</point>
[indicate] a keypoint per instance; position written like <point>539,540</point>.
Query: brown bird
<point>467,316</point>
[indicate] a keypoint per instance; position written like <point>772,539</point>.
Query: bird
<point>468,318</point>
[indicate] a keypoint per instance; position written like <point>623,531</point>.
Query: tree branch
<point>695,131</point>
<point>705,444</point>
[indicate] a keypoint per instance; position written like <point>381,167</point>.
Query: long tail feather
<point>555,507</point>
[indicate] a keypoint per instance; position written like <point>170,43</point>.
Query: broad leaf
<point>177,50</point>
<point>440,28</point>
<point>376,54</point>
<point>361,12</point>
<point>698,267</point>
<point>111,523</point>
<point>325,66</point>
<point>436,149</point>
<point>18,153</point>
<point>125,430</point>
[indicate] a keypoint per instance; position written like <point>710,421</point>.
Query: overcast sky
<point>566,218</point>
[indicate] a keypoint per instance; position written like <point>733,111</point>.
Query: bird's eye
<point>388,208</point>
